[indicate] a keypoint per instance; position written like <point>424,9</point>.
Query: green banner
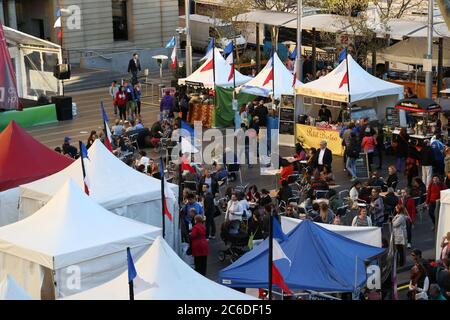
<point>224,113</point>
<point>29,117</point>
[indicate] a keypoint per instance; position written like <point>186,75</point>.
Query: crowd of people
<point>307,186</point>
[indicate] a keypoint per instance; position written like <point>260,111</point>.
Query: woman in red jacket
<point>199,245</point>
<point>410,205</point>
<point>121,102</point>
<point>434,194</point>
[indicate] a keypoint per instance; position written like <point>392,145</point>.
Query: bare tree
<point>396,8</point>
<point>277,5</point>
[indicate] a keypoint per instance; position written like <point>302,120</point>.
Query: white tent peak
<point>284,80</point>
<point>104,171</point>
<point>172,278</point>
<point>222,72</point>
<point>362,84</point>
<point>10,290</point>
<point>72,228</point>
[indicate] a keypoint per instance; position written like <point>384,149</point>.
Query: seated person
<point>286,169</point>
<point>365,192</point>
<point>313,213</point>
<point>375,180</point>
<point>285,192</point>
<point>334,200</point>
<point>265,198</point>
<point>156,133</point>
<point>317,183</point>
<point>291,210</point>
<point>327,175</point>
<point>392,179</point>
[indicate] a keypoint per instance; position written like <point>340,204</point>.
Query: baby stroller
<point>235,239</point>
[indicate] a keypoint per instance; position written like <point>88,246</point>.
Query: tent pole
<point>270,252</point>
<point>348,85</point>
<point>163,196</point>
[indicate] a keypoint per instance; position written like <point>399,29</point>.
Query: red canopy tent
<point>23,159</point>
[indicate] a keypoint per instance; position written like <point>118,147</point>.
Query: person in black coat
<point>261,112</point>
<point>392,180</point>
<point>323,157</point>
<point>134,66</point>
<point>210,209</point>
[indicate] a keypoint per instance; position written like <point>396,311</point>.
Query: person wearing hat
<point>68,148</point>
<point>324,114</point>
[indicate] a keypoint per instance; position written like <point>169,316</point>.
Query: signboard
<point>427,65</point>
<point>287,128</point>
<point>287,121</point>
<point>311,137</point>
<point>362,166</point>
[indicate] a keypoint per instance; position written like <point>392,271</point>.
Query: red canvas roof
<point>23,159</point>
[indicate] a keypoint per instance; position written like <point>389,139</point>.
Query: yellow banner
<point>310,137</point>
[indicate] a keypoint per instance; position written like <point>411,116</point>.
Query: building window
<point>120,22</point>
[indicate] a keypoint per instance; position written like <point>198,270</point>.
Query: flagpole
<point>163,196</point>
<point>270,260</point>
<point>82,161</point>
<point>234,69</point>
<point>348,81</point>
<point>273,77</point>
<point>131,284</point>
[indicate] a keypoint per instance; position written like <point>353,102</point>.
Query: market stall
<point>214,72</point>
<point>421,116</point>
<point>348,92</point>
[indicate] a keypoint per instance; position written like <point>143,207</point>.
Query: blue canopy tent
<point>322,261</point>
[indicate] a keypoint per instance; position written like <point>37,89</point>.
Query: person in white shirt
<point>244,205</point>
<point>354,191</point>
<point>143,160</point>
<point>234,209</point>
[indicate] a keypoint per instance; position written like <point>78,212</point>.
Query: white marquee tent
<point>171,279</point>
<point>34,60</point>
<point>222,73</point>
<point>283,78</point>
<point>10,290</point>
<point>73,242</point>
<point>443,223</point>
<point>367,90</point>
<point>368,235</point>
<point>115,186</point>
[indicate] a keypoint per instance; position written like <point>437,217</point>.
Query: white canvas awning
<point>283,78</point>
<point>413,51</point>
<point>72,228</point>
<point>363,85</point>
<point>205,76</point>
<point>170,277</point>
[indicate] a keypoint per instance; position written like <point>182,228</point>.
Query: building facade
<point>109,25</point>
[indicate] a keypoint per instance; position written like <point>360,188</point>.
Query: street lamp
<point>160,60</point>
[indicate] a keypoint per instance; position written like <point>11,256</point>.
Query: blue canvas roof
<point>322,261</point>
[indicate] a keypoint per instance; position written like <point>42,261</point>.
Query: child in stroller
<point>235,239</point>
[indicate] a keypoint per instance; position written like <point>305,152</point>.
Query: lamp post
<point>299,40</point>
<point>160,59</point>
<point>427,62</point>
<point>187,8</point>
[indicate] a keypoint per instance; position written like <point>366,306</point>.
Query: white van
<point>204,27</point>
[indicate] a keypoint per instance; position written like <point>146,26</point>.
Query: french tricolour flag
<point>138,283</point>
<point>278,254</point>
<point>168,193</point>
<point>108,138</point>
<point>84,155</point>
<point>173,57</point>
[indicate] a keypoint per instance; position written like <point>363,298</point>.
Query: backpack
<point>353,152</point>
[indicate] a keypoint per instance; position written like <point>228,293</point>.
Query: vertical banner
<point>9,99</point>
